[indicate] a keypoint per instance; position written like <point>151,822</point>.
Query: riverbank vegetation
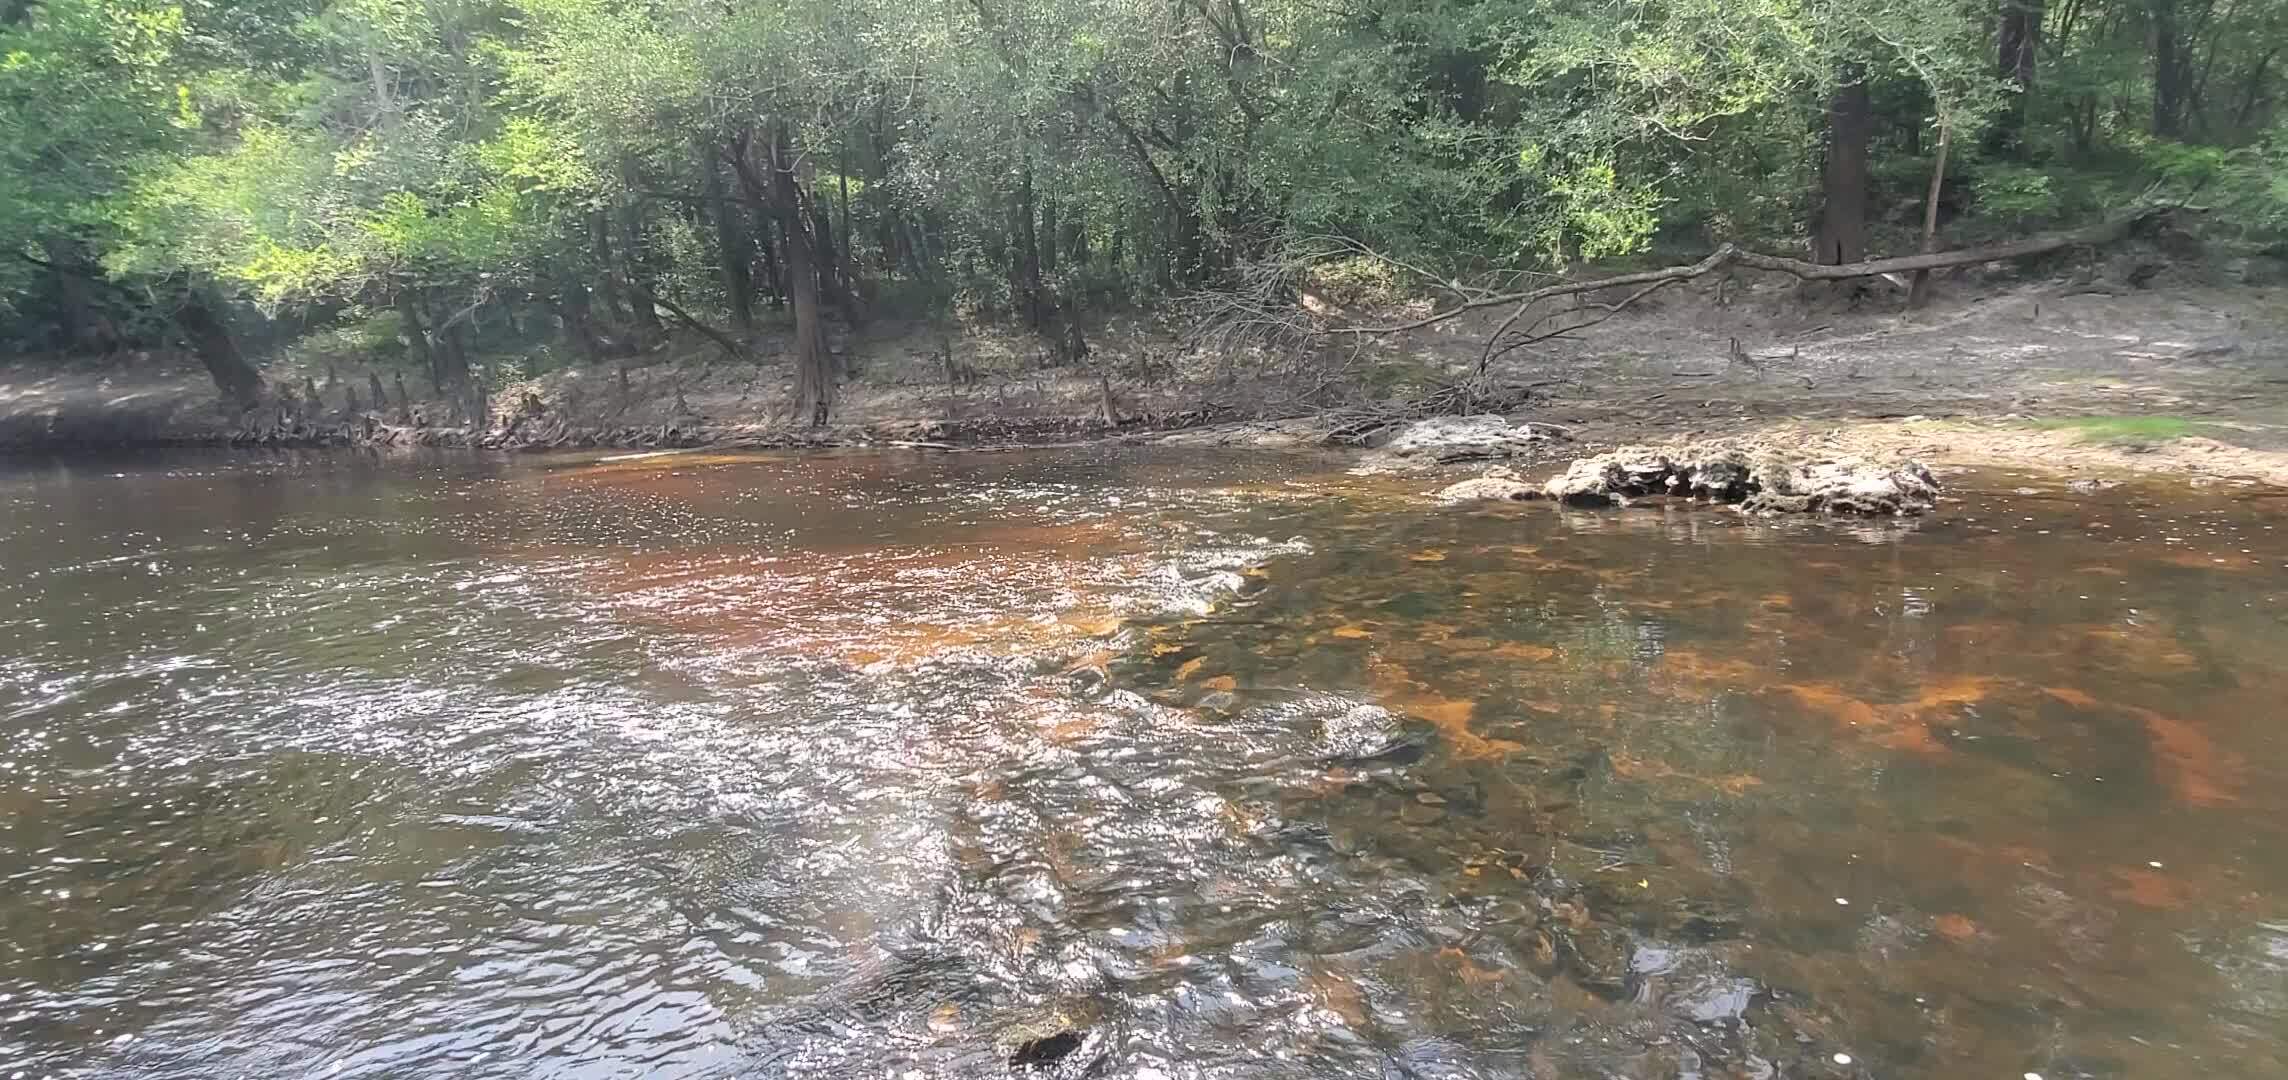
<point>473,190</point>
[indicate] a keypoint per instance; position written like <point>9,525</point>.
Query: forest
<point>468,185</point>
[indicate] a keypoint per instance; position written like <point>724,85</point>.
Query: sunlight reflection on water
<point>854,765</point>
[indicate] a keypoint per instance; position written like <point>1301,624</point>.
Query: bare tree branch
<point>1491,354</point>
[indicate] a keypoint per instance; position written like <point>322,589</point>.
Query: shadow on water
<point>1119,763</point>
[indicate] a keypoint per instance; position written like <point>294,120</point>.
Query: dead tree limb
<point>1729,255</point>
<point>722,340</point>
<point>1492,353</point>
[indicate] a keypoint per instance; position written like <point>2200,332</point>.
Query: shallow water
<point>902,765</point>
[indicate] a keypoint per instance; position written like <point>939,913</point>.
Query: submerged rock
<point>1045,1051</point>
<point>1598,957</point>
<point>1758,478</point>
<point>1419,814</point>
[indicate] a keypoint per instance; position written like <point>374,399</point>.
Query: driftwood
<point>1728,255</point>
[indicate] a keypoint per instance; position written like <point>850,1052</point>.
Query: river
<point>1125,763</point>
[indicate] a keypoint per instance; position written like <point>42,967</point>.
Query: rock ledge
<point>1758,478</point>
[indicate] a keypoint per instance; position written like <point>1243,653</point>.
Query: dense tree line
<point>211,172</point>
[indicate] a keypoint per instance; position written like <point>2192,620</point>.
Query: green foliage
<point>357,340</point>
<point>2252,186</point>
<point>2016,195</point>
<point>575,156</point>
<point>1359,282</point>
<point>2179,167</point>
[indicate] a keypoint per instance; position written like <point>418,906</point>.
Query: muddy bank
<point>2190,381</point>
<point>1525,448</point>
<point>180,415</point>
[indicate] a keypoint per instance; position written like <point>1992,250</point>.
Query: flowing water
<point>1124,764</point>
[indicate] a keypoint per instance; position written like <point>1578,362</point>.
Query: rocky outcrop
<point>1759,478</point>
<point>1756,477</point>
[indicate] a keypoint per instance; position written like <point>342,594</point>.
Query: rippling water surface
<point>1123,764</point>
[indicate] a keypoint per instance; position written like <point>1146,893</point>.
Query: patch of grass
<point>2121,429</point>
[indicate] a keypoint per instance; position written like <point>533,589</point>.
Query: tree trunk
<point>452,353</point>
<point>635,273</point>
<point>217,350</point>
<point>1183,215</point>
<point>912,249</point>
<point>579,318</point>
<point>479,405</point>
<point>842,178</point>
<point>416,339</point>
<point>2017,43</point>
<point>1191,247</point>
<point>2018,40</point>
<point>1025,251</point>
<point>1842,233</point>
<point>373,388</point>
<point>832,284</point>
<point>608,288</point>
<point>2195,104</point>
<point>2067,22</point>
<point>1049,236</point>
<point>1919,293</point>
<point>87,329</point>
<point>1075,238</point>
<point>384,102</point>
<point>888,232</point>
<point>771,182</point>
<point>2254,93</point>
<point>767,257</point>
<point>2168,70</point>
<point>1066,342</point>
<point>731,247</point>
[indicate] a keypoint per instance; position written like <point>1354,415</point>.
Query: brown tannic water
<point>1123,764</point>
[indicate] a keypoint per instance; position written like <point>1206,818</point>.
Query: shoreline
<point>2187,383</point>
<point>2057,446</point>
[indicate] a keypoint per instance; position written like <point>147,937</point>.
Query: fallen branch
<point>1487,358</point>
<point>722,340</point>
<point>1730,255</point>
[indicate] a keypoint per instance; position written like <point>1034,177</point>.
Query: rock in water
<point>1045,1051</point>
<point>1498,484</point>
<point>1757,477</point>
<point>1598,958</point>
<point>1847,487</point>
<point>1060,1055</point>
<point>1458,438</point>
